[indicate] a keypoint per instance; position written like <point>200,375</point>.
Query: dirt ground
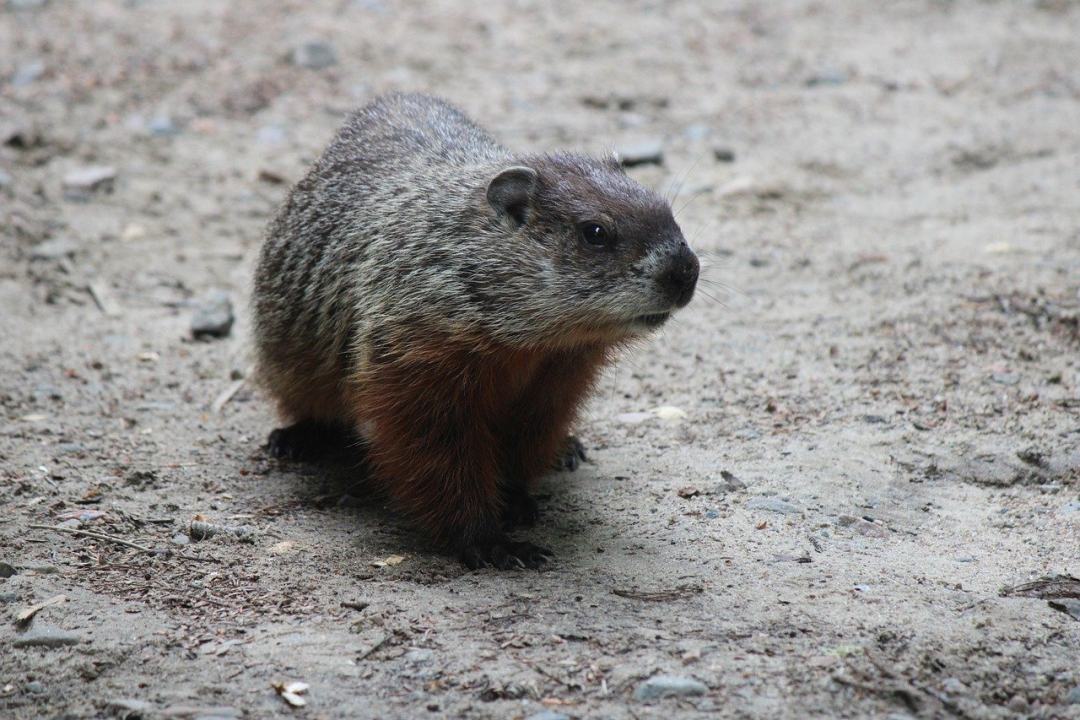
<point>806,494</point>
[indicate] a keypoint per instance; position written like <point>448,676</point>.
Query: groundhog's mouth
<point>653,320</point>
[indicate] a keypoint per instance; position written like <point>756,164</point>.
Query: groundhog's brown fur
<point>450,305</point>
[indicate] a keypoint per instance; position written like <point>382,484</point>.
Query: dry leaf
<point>25,616</point>
<point>389,561</point>
<point>290,692</point>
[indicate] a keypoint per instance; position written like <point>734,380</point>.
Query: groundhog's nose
<point>680,277</point>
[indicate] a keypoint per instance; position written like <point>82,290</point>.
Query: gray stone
<point>28,72</point>
<point>419,656</point>
<point>661,686</point>
<point>6,570</point>
<point>54,249</point>
<point>1073,696</point>
<point>35,688</point>
<point>548,715</point>
<point>271,135</point>
<point>314,55</point>
<point>953,686</point>
<point>162,126</point>
<point>731,483</point>
<point>8,597</point>
<point>5,179</point>
<point>129,708</point>
<point>827,77</point>
<point>1071,507</point>
<point>213,316</point>
<point>180,539</point>
<point>81,182</point>
<point>46,636</point>
<point>771,504</point>
<point>646,152</point>
<point>27,4</point>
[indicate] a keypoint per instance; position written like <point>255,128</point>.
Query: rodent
<point>449,305</point>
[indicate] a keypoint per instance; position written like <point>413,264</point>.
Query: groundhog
<point>445,306</point>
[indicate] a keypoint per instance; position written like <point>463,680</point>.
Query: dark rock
<point>723,154</point>
<point>730,483</point>
<point>46,636</point>
<point>314,55</point>
<point>646,152</point>
<point>662,686</point>
<point>6,570</point>
<point>213,317</point>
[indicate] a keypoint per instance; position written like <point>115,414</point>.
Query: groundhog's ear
<point>510,192</point>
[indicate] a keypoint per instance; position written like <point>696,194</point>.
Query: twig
<point>96,536</point>
<point>373,648</point>
<point>226,395</point>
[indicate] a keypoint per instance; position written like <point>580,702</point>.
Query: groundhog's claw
<point>571,455</point>
<point>504,554</point>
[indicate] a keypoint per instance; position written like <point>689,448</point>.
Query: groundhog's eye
<point>596,234</point>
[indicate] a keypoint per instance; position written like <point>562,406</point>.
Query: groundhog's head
<point>603,256</point>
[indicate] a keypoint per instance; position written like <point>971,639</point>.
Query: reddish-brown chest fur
<point>451,429</point>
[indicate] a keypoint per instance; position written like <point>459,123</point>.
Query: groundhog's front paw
<point>521,511</point>
<point>504,554</point>
<point>571,454</point>
<point>306,440</point>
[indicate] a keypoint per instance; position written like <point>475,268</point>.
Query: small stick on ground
<point>95,535</point>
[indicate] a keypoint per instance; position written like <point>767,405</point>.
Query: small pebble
<point>213,317</point>
<point>1073,696</point>
<point>827,77</point>
<point>646,152</point>
<point>953,686</point>
<point>35,688</point>
<point>55,249</point>
<point>27,4</point>
<point>314,55</point>
<point>180,539</point>
<point>27,73</point>
<point>6,570</point>
<point>47,636</point>
<point>129,707</point>
<point>72,524</point>
<point>80,183</point>
<point>270,135</point>
<point>771,504</point>
<point>5,179</point>
<point>731,483</point>
<point>1018,703</point>
<point>1071,507</point>
<point>661,686</point>
<point>162,126</point>
<point>548,715</point>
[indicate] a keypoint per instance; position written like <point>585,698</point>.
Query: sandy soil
<point>876,423</point>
